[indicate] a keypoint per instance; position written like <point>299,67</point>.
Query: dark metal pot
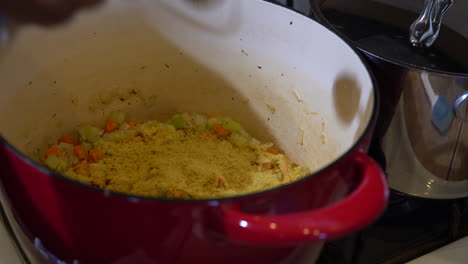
<point>421,127</point>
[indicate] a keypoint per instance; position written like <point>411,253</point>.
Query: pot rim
<point>320,18</point>
<point>135,198</point>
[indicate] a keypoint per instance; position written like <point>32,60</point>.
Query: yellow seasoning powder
<point>186,161</point>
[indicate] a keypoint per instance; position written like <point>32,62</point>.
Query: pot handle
<point>364,205</point>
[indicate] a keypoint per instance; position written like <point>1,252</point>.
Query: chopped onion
<point>117,116</point>
<point>90,133</point>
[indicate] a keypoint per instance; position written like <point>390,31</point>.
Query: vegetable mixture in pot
<point>191,156</point>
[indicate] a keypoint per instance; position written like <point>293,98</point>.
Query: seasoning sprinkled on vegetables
<point>189,156</point>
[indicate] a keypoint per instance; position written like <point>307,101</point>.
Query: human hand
<point>44,12</point>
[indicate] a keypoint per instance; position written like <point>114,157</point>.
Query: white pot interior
<point>237,58</point>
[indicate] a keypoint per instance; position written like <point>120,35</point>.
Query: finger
<point>44,12</point>
<point>59,11</point>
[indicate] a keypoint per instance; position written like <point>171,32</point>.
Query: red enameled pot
<point>285,77</point>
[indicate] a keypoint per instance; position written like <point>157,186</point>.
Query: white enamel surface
<point>181,57</point>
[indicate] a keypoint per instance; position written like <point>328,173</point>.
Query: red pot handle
<point>359,209</point>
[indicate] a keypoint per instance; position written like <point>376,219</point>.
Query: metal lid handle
<point>424,31</point>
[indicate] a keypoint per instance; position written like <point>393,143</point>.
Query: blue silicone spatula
<point>441,110</point>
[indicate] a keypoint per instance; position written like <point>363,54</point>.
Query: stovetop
<point>410,228</point>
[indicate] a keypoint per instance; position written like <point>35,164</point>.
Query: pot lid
<point>382,28</point>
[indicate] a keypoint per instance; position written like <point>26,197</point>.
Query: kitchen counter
<point>454,253</point>
<point>8,252</point>
<point>15,248</point>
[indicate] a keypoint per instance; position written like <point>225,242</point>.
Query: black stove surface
<point>410,228</point>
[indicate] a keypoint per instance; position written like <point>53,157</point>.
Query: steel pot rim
<point>320,18</point>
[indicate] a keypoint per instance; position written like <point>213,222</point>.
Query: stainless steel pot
<point>421,128</point>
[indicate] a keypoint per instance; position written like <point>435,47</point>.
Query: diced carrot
<point>132,123</point>
<point>272,150</point>
<point>220,183</point>
<point>220,130</point>
<point>67,139</point>
<point>266,165</point>
<point>82,166</point>
<point>110,126</point>
<point>79,152</point>
<point>54,150</point>
<point>210,116</point>
<point>95,155</point>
